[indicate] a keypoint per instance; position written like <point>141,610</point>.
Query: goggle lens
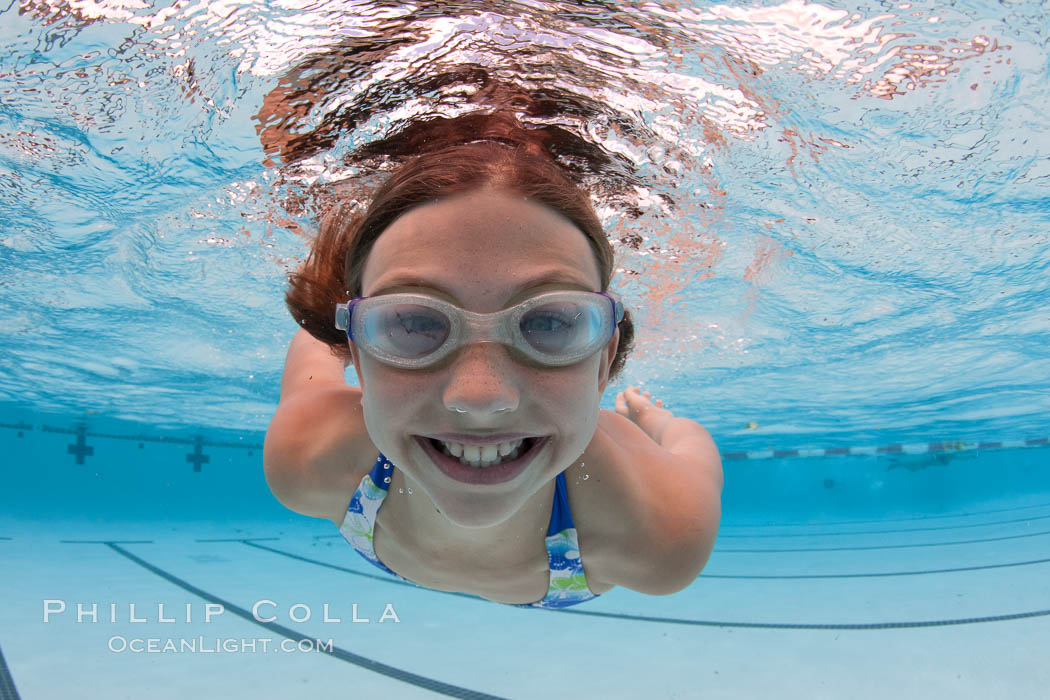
<point>561,328</point>
<point>411,331</point>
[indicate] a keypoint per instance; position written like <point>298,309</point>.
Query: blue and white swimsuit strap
<point>359,523</point>
<point>568,585</point>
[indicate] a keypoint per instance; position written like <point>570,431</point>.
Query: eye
<point>544,322</point>
<point>407,330</point>
<point>551,328</point>
<point>426,324</point>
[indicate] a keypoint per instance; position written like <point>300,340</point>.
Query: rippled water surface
<point>831,220</point>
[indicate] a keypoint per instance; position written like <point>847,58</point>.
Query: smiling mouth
<point>507,468</point>
<point>507,452</point>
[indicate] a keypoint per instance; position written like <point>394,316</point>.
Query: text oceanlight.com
<point>216,645</point>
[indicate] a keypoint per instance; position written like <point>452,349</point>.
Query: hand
<point>638,406</point>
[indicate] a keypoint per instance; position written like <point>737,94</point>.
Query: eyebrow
<point>548,277</point>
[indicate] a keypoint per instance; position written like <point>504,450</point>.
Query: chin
<point>471,514</point>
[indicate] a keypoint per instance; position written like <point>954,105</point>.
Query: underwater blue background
<point>831,227</point>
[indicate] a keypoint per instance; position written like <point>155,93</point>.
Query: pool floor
<point>930,606</point>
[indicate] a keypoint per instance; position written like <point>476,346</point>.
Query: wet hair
<point>448,157</point>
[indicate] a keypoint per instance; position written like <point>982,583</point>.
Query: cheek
<point>571,389</point>
<point>570,392</point>
<point>388,391</point>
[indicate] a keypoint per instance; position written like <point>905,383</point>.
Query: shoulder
<point>317,450</point>
<point>652,515</point>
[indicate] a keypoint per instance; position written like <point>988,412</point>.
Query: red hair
<point>453,156</point>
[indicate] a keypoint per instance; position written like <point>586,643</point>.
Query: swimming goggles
<point>413,331</point>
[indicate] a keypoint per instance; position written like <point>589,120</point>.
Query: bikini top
<point>568,585</point>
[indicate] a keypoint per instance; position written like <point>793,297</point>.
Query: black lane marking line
<point>723,535</point>
<point>804,626</point>
<point>7,683</point>
<point>356,659</point>
<point>251,542</point>
<point>166,439</point>
<point>890,532</point>
<point>385,578</point>
<point>700,623</point>
<point>238,539</point>
<point>889,520</point>
<point>892,573</point>
<point>5,538</point>
<point>882,546</point>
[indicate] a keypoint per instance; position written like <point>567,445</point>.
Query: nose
<point>482,381</point>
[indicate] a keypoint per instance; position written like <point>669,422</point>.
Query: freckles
<point>391,392</point>
<point>569,383</point>
<point>405,396</point>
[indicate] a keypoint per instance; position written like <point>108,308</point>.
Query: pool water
<point>830,223</point>
<point>840,576</point>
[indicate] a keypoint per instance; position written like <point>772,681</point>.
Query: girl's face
<point>483,251</point>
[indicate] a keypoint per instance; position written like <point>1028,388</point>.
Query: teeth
<point>482,456</point>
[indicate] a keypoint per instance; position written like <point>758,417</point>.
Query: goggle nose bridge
<point>496,327</point>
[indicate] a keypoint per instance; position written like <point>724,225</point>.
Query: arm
<point>679,472</point>
<point>310,363</point>
<point>316,440</point>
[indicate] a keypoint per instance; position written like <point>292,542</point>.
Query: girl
<point>472,297</point>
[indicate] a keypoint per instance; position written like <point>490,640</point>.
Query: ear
<point>608,355</point>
